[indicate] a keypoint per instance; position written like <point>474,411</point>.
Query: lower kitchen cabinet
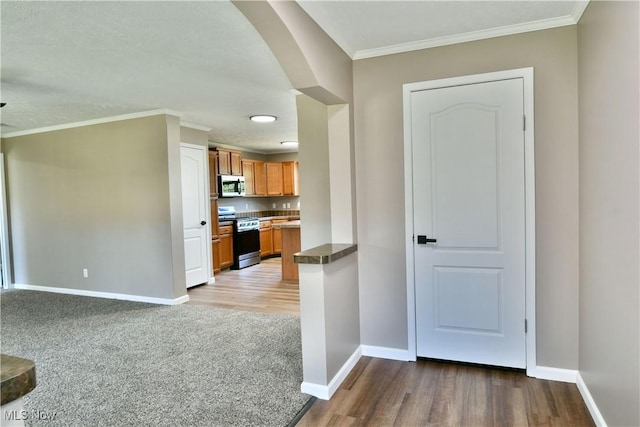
<point>266,238</point>
<point>277,236</point>
<point>215,253</point>
<point>226,246</point>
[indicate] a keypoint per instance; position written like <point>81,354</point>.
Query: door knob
<point>203,222</point>
<point>423,240</point>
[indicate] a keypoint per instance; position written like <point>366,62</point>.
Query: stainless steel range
<point>246,238</point>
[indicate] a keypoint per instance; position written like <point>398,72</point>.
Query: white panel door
<point>469,196</point>
<point>194,213</point>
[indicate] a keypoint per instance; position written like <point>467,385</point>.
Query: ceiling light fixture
<point>289,143</point>
<point>263,118</point>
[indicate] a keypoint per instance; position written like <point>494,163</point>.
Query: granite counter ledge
<point>325,254</point>
<point>18,378</point>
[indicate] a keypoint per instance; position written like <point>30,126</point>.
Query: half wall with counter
<point>329,316</point>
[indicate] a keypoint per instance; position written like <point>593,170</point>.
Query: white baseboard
<point>325,392</point>
<point>589,402</point>
<point>554,374</point>
<point>385,353</point>
<point>109,295</point>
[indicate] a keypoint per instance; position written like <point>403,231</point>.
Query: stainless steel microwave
<point>230,186</point>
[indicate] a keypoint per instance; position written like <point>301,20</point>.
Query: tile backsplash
<point>261,204</point>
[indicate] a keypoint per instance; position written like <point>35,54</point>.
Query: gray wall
<point>379,174</point>
<point>97,197</point>
<point>609,208</point>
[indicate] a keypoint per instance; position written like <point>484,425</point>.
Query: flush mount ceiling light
<point>262,118</point>
<point>289,143</point>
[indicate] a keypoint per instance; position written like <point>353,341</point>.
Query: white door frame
<point>208,209</point>
<point>4,229</point>
<point>530,228</point>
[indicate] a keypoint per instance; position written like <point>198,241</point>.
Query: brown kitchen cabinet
<point>259,178</point>
<point>266,238</point>
<point>215,254</point>
<point>290,181</point>
<point>226,246</point>
<point>213,175</point>
<point>249,177</point>
<point>229,162</point>
<point>276,236</point>
<point>274,178</point>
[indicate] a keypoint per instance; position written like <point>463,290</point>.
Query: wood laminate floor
<point>381,392</point>
<point>256,288</point>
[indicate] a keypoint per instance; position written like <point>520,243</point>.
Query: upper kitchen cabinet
<point>274,178</point>
<point>213,173</point>
<point>229,162</point>
<point>290,172</point>
<point>259,178</point>
<point>255,177</point>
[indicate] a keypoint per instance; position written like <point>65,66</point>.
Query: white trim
<point>108,295</point>
<point>554,374</point>
<point>326,391</point>
<point>386,353</point>
<point>590,402</point>
<point>194,126</point>
<point>93,122</point>
<point>530,229</point>
<point>543,24</point>
<point>4,229</point>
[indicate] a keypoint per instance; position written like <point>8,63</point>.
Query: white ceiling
<point>64,62</point>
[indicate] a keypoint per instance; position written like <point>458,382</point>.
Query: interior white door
<point>194,213</point>
<point>469,196</point>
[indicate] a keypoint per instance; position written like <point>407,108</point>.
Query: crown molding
<point>194,126</point>
<point>93,122</point>
<point>543,24</point>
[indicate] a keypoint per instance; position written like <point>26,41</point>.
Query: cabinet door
<point>274,178</point>
<point>289,178</point>
<point>215,251</point>
<point>213,174</point>
<point>226,246</point>
<point>259,178</point>
<point>224,162</point>
<point>226,250</point>
<point>266,242</point>
<point>236,163</point>
<point>277,240</point>
<point>215,231</point>
<point>247,171</point>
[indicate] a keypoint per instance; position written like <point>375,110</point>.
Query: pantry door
<point>468,167</point>
<point>194,213</point>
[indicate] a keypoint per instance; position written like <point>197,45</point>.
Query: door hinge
<point>413,238</point>
<point>524,122</point>
<point>525,326</point>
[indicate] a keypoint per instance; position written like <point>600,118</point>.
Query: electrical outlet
<point>246,206</point>
<point>284,206</point>
<point>288,205</point>
<point>85,272</point>
<point>273,205</point>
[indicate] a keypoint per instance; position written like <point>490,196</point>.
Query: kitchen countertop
<point>18,378</point>
<point>325,254</point>
<point>288,224</point>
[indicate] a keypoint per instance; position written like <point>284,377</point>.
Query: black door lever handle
<point>423,240</point>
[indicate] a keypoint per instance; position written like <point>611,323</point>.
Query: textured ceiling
<point>65,62</point>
